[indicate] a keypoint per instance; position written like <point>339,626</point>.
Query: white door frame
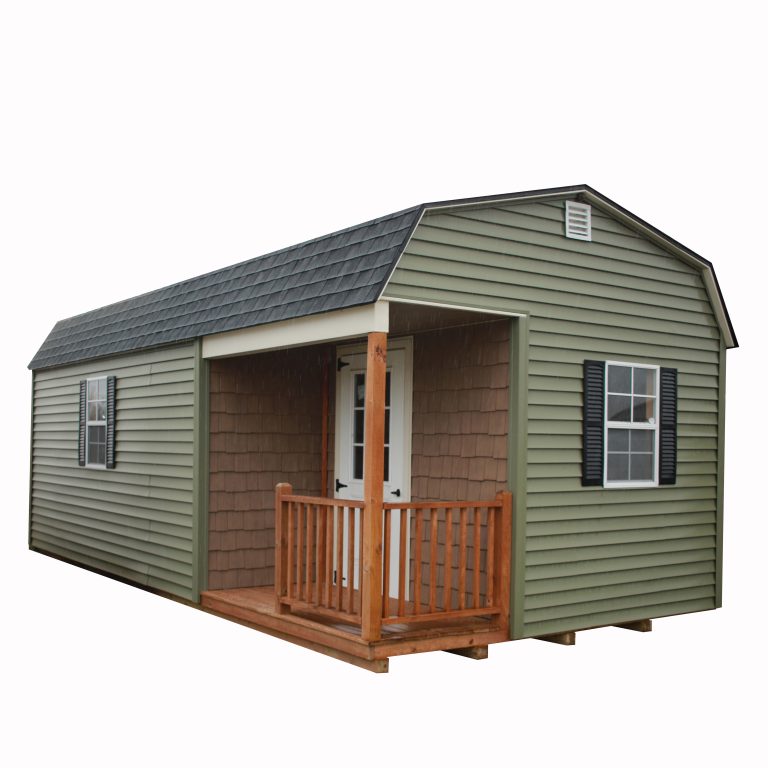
<point>353,490</point>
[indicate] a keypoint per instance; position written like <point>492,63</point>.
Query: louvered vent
<point>578,220</point>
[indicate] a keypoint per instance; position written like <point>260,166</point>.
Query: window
<point>631,420</point>
<point>630,424</point>
<point>96,438</point>
<point>96,422</point>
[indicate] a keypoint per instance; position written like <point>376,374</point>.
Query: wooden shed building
<point>467,422</point>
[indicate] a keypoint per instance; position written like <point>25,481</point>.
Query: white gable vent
<point>578,220</point>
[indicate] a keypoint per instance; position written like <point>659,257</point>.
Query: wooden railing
<point>458,556</point>
<point>437,560</point>
<point>317,560</point>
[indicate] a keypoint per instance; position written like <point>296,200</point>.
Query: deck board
<point>255,607</point>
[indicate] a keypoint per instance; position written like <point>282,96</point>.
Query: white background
<point>145,142</point>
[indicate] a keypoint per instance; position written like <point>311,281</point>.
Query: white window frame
<point>89,423</point>
<point>631,426</point>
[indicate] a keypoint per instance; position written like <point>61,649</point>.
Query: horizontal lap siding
<point>134,521</point>
<point>593,556</point>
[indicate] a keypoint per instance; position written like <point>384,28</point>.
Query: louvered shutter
<point>81,425</point>
<point>593,423</point>
<point>111,390</point>
<point>668,426</point>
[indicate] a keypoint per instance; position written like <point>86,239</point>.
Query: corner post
<point>373,484</point>
<point>502,557</point>
<point>281,546</point>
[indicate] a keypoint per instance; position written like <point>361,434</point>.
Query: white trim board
<point>313,329</point>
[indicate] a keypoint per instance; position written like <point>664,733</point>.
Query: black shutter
<point>668,426</point>
<point>593,425</point>
<point>111,387</point>
<point>81,425</point>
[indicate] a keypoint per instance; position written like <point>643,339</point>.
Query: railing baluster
<point>476,553</point>
<point>448,579</point>
<point>462,558</point>
<point>319,553</point>
<point>386,549</point>
<point>339,557</point>
<point>289,554</point>
<point>433,559</point>
<point>417,564</point>
<point>310,551</point>
<point>329,517</point>
<point>299,551</point>
<point>360,529</point>
<point>490,563</point>
<point>351,561</point>
<point>402,563</point>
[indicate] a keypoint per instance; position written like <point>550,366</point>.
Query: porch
<point>370,576</point>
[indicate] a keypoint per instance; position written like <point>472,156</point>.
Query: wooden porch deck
<point>255,607</point>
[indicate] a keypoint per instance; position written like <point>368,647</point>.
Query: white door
<point>350,431</point>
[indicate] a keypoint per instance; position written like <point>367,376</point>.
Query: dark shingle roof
<point>341,270</point>
<point>344,269</point>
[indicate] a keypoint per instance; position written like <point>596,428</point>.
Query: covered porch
<point>390,570</point>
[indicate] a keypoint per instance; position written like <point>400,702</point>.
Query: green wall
<point>592,556</point>
<point>134,521</point>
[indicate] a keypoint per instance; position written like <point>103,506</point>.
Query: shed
<point>463,423</point>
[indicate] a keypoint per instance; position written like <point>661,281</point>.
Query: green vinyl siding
<point>592,556</point>
<point>135,521</point>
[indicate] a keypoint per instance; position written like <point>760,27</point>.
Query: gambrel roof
<point>345,269</point>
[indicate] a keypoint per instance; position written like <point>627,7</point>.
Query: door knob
<point>340,485</point>
<point>396,493</point>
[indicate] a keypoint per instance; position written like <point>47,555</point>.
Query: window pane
<point>359,426</point>
<point>619,378</point>
<point>645,381</point>
<point>618,466</point>
<point>389,388</point>
<point>92,411</point>
<point>96,445</point>
<point>643,409</point>
<point>102,389</point>
<point>93,389</point>
<point>101,411</point>
<point>618,440</point>
<point>359,393</point>
<point>642,466</point>
<point>357,469</point>
<point>642,440</point>
<point>619,407</point>
<point>386,426</point>
<point>386,465</point>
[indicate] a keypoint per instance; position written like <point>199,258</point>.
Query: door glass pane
<point>359,426</point>
<point>359,393</point>
<point>357,461</point>
<point>386,464</point>
<point>389,389</point>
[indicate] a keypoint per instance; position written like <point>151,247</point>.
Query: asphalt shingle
<point>341,270</point>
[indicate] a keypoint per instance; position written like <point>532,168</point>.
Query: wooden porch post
<point>281,547</point>
<point>503,559</point>
<point>373,484</point>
